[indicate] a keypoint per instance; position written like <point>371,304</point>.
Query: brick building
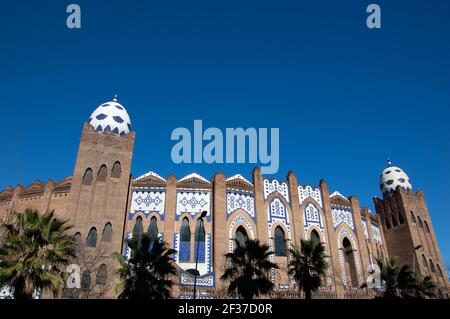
<point>106,204</point>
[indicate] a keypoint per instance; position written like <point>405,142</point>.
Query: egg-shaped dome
<point>393,176</point>
<point>111,117</point>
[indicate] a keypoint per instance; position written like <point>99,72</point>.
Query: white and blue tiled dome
<point>111,117</point>
<point>393,176</point>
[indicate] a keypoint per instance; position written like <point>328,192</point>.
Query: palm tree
<point>35,250</point>
<point>396,281</point>
<point>248,269</point>
<point>308,266</point>
<point>420,287</point>
<point>146,275</point>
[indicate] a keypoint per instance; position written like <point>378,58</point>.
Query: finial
<point>389,162</point>
<point>115,98</point>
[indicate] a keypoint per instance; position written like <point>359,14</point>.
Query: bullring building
<point>107,205</point>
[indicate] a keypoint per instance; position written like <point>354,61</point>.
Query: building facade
<point>107,205</point>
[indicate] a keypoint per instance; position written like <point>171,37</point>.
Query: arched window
<point>77,238</point>
<point>92,238</point>
<point>116,170</point>
<point>138,229</point>
<point>439,271</point>
<point>401,220</point>
<point>388,224</point>
<point>185,241</point>
<point>241,236</point>
<point>101,176</point>
<point>420,222</point>
<point>87,177</point>
<point>200,231</point>
<point>86,281</point>
<point>424,261</point>
<point>315,237</point>
<point>102,275</point>
<point>350,262</point>
<point>413,218</point>
<point>394,221</point>
<point>280,242</point>
<point>426,226</point>
<point>153,229</point>
<point>107,233</point>
<point>199,247</point>
<point>432,266</point>
<point>185,232</point>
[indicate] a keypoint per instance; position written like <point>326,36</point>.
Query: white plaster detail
<point>276,186</point>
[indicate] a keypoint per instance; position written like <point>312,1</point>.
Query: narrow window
<point>87,178</point>
<point>420,222</point>
<point>102,275</point>
<point>401,220</point>
<point>92,238</point>
<point>241,236</point>
<point>439,271</point>
<point>199,247</point>
<point>107,233</point>
<point>388,224</point>
<point>426,226</point>
<point>280,242</point>
<point>101,176</point>
<point>315,237</point>
<point>77,238</point>
<point>413,218</point>
<point>138,230</point>
<point>394,221</point>
<point>86,281</point>
<point>432,266</point>
<point>116,170</point>
<point>185,241</point>
<point>153,229</point>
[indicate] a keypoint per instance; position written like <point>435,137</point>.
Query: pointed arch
<point>350,264</point>
<point>394,221</point>
<point>116,170</point>
<point>102,172</point>
<point>199,240</point>
<point>87,177</point>
<point>413,218</point>
<point>153,228</point>
<point>138,228</point>
<point>92,238</point>
<point>433,270</point>
<point>426,226</point>
<point>387,223</point>
<point>241,236</point>
<point>107,233</point>
<point>420,221</point>
<point>439,270</point>
<point>185,241</point>
<point>280,242</point>
<point>424,261</point>
<point>77,238</point>
<point>315,237</point>
<point>401,220</point>
<point>86,281</point>
<point>102,275</point>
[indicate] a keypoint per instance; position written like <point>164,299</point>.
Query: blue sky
<point>344,97</point>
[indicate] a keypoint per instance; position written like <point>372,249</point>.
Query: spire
<point>389,163</point>
<point>115,98</point>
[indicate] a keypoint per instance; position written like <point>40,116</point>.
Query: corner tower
<point>99,194</point>
<point>407,226</point>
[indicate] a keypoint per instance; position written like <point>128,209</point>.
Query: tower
<point>407,226</point>
<point>99,195</point>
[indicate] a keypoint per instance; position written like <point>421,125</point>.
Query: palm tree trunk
<point>308,294</point>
